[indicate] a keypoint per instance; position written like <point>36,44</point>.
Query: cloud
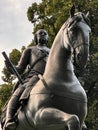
<point>14,22</point>
<point>15,29</point>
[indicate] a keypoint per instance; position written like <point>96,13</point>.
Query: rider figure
<point>35,57</point>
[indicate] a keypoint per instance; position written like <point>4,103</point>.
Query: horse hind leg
<point>51,117</point>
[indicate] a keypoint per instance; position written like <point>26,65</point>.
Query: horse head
<point>78,30</point>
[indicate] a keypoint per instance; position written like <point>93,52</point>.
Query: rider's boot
<point>12,107</point>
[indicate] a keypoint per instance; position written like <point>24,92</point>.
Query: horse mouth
<point>82,59</point>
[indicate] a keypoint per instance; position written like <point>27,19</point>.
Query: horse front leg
<point>51,118</point>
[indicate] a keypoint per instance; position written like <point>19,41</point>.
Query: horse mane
<point>77,16</point>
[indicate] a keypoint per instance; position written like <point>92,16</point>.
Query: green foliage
<point>92,117</point>
<point>5,92</point>
<point>14,56</point>
<point>7,76</point>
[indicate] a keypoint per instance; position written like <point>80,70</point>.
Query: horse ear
<point>72,11</point>
<point>87,14</point>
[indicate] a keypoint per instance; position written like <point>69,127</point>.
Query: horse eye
<point>40,33</point>
<point>45,33</point>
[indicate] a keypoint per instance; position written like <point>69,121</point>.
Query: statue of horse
<point>58,101</point>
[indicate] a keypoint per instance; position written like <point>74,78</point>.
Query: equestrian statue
<point>58,101</point>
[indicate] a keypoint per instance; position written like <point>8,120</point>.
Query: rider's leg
<point>12,107</point>
<point>51,117</point>
<point>28,88</point>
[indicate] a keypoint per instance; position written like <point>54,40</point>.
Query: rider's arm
<point>24,61</point>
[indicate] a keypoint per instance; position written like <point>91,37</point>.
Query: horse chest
<point>72,90</point>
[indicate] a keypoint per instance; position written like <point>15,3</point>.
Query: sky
<point>15,29</point>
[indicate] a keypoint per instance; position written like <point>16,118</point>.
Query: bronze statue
<point>58,101</point>
<point>35,58</point>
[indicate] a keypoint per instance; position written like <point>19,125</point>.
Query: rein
<point>74,47</point>
<point>72,42</point>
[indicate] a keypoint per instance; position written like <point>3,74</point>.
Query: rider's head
<point>41,37</point>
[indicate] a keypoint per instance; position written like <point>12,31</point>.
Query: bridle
<point>78,19</point>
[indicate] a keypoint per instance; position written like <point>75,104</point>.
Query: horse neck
<point>59,60</point>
